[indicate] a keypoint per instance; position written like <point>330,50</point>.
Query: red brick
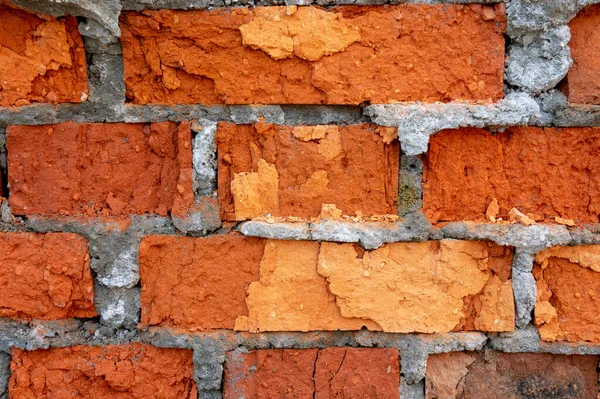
<point>547,172</point>
<point>312,373</point>
<point>100,169</point>
<point>125,372</point>
<point>42,58</point>
<point>197,283</point>
<point>341,55</point>
<point>497,375</point>
<point>45,276</point>
<point>351,167</point>
<point>582,82</point>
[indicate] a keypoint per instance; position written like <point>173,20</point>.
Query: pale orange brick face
<point>309,55</point>
<point>341,373</point>
<point>99,169</point>
<point>545,172</point>
<point>45,276</point>
<point>292,171</point>
<point>228,281</point>
<point>42,58</point>
<point>132,371</point>
<point>582,80</point>
<point>568,287</point>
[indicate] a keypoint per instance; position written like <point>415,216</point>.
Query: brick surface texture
<point>99,169</point>
<point>313,373</point>
<point>42,59</point>
<point>497,375</point>
<point>335,200</point>
<point>45,276</point>
<point>118,371</point>
<point>547,172</point>
<point>292,171</point>
<point>344,55</point>
<point>582,85</point>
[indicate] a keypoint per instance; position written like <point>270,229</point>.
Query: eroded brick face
<point>547,172</point>
<point>42,58</point>
<point>309,55</point>
<point>312,373</point>
<point>582,83</point>
<point>126,372</point>
<point>45,276</point>
<point>497,375</point>
<point>568,288</point>
<point>250,284</point>
<point>100,169</point>
<point>291,171</point>
<point>197,283</point>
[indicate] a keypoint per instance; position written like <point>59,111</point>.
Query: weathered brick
<point>548,172</point>
<point>254,285</point>
<point>42,58</point>
<point>312,373</point>
<point>497,375</point>
<point>582,82</point>
<point>291,171</point>
<point>309,55</point>
<point>435,286</point>
<point>45,276</point>
<point>100,169</point>
<point>568,288</point>
<point>132,371</point>
<point>197,282</point>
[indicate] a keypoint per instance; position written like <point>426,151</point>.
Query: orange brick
<point>305,167</point>
<point>100,169</point>
<point>45,276</point>
<point>310,55</point>
<point>118,371</point>
<point>548,172</point>
<point>197,282</point>
<point>42,58</point>
<point>249,284</point>
<point>568,288</point>
<point>312,373</point>
<point>582,80</point>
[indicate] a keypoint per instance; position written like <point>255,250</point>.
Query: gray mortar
<point>117,307</point>
<point>105,12</point>
<point>412,391</point>
<point>417,121</point>
<point>528,340</point>
<point>114,259</point>
<point>523,285</point>
<point>515,235</point>
<point>410,184</point>
<point>370,235</point>
<point>204,157</point>
<point>4,374</point>
<point>208,365</point>
<point>538,62</point>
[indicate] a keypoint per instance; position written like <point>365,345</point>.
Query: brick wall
<point>299,199</point>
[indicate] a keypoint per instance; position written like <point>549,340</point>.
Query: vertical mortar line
<point>3,163</point>
<point>106,81</point>
<point>410,184</point>
<point>523,284</point>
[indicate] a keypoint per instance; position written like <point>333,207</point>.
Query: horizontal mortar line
<point>70,332</point>
<point>133,5</point>
<point>285,114</point>
<point>374,234</point>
